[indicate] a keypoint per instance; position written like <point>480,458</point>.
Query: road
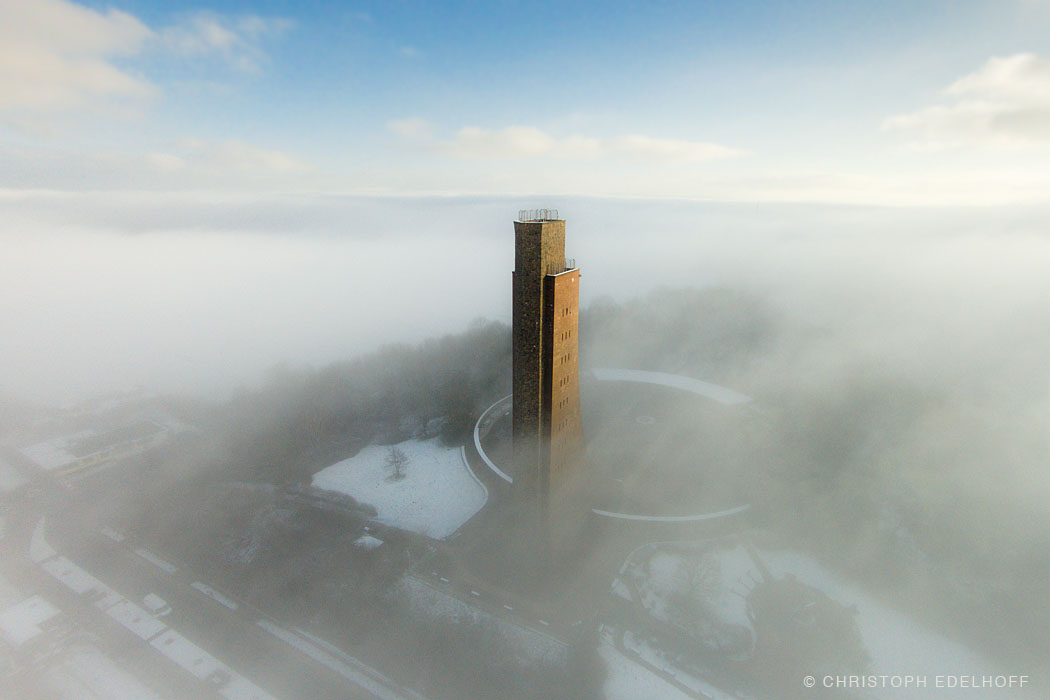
<point>283,662</point>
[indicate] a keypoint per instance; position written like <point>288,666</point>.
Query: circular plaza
<point>660,447</point>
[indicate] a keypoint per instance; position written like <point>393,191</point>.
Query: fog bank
<point>199,294</point>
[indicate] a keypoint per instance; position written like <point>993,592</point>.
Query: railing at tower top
<point>538,215</point>
<point>556,268</point>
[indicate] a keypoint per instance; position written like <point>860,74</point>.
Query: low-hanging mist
<point>897,358</point>
<point>199,294</point>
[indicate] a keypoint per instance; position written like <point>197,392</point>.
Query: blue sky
<point>885,103</point>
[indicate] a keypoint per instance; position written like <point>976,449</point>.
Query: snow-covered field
<point>669,572</point>
<point>898,645</point>
<point>436,496</point>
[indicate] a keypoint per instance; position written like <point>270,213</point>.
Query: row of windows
<point>565,358</point>
<point>566,334</point>
<point>564,381</point>
<point>566,311</point>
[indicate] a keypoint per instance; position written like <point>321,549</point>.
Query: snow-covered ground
<point>669,572</point>
<point>82,680</point>
<point>219,598</point>
<point>898,645</point>
<point>436,496</point>
<point>85,673</point>
<point>136,620</point>
<point>22,622</point>
<point>645,654</point>
<point>186,654</point>
<point>627,680</point>
<point>10,478</point>
<point>368,542</point>
<point>77,672</point>
<point>152,558</point>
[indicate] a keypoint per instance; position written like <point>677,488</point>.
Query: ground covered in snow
<point>627,680</point>
<point>898,646</point>
<point>10,478</point>
<point>436,496</point>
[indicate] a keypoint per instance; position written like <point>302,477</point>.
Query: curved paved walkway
<point>481,428</point>
<point>718,393</point>
<point>674,381</point>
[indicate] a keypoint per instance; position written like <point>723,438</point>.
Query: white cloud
<point>227,157</point>
<point>165,162</point>
<point>234,39</point>
<point>410,128</point>
<point>1023,76</point>
<point>1005,103</point>
<point>670,149</point>
<point>192,164</point>
<point>531,142</point>
<point>56,55</point>
<point>510,142</point>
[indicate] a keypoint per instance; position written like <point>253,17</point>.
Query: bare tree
<point>396,460</point>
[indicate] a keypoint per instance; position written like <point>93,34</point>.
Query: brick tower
<point>547,426</point>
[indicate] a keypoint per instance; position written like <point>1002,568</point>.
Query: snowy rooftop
<point>136,620</point>
<point>64,450</point>
<point>86,673</point>
<point>186,654</point>
<point>54,454</point>
<point>21,622</point>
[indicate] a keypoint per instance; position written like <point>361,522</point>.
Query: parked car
<point>157,606</point>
